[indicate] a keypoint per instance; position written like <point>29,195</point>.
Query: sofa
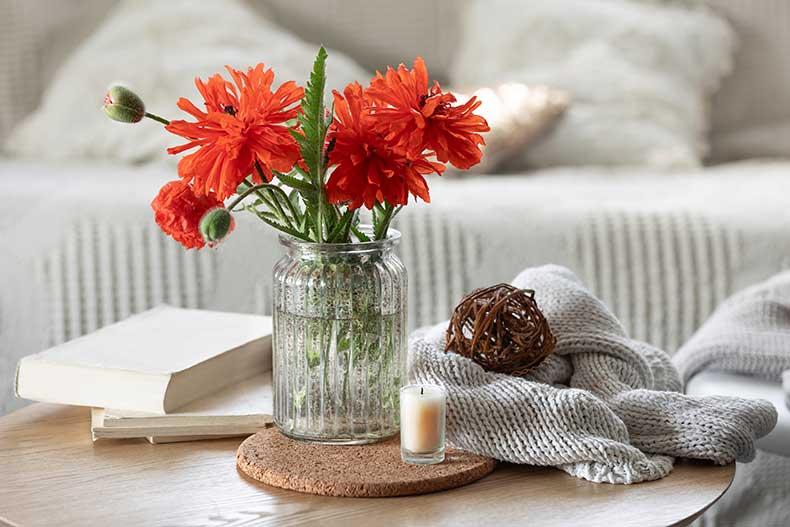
<point>662,247</point>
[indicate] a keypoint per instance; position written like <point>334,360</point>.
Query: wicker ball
<point>502,329</point>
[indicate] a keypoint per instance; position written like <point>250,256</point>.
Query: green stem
<point>284,228</point>
<point>279,208</point>
<point>321,200</point>
<point>250,190</point>
<point>275,208</point>
<point>260,194</point>
<point>361,236</point>
<point>157,118</point>
<point>274,189</point>
<point>381,226</point>
<point>340,233</point>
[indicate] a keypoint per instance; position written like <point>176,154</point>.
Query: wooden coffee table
<point>52,474</point>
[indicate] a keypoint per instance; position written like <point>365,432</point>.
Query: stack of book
<point>168,374</point>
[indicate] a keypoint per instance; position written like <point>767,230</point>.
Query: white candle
<point>422,421</point>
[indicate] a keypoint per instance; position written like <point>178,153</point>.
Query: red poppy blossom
<point>245,122</point>
<point>420,116</point>
<point>369,169</point>
<point>177,211</point>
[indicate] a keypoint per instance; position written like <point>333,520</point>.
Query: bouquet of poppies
<point>305,169</point>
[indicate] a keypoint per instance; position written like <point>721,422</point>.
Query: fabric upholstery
<point>751,112</point>
<point>662,253</point>
<point>158,48</point>
<point>37,35</point>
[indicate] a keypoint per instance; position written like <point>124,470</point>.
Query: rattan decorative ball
<point>501,329</point>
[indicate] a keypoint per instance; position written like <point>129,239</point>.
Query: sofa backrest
<point>36,36</point>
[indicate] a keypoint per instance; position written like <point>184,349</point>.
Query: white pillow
<point>640,74</point>
<point>158,48</point>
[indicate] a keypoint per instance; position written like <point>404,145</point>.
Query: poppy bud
<point>215,225</point>
<point>122,104</point>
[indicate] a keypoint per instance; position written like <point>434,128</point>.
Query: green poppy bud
<point>122,104</point>
<point>215,225</point>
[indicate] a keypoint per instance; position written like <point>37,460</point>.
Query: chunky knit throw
<point>749,333</point>
<point>604,407</point>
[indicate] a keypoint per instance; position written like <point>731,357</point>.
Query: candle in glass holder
<point>422,421</point>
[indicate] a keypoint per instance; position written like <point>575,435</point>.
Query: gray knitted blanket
<point>603,407</point>
<point>749,333</point>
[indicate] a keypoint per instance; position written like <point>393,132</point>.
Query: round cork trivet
<point>365,471</point>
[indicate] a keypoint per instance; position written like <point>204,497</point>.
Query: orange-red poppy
<point>418,116</point>
<point>368,169</point>
<point>245,123</point>
<point>177,211</point>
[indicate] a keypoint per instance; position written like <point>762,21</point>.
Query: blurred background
<point>642,143</point>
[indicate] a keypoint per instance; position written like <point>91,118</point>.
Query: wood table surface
<point>52,474</point>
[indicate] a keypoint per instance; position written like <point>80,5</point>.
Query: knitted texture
<point>604,407</point>
<point>749,333</point>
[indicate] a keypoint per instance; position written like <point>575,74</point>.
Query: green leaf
<point>311,138</point>
<point>264,214</point>
<point>293,196</point>
<point>298,184</point>
<point>361,236</point>
<point>311,119</point>
<point>268,217</point>
<point>340,231</point>
<point>301,172</point>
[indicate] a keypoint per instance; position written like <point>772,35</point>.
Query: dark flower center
<point>331,145</point>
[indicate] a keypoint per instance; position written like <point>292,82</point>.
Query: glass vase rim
<point>392,239</point>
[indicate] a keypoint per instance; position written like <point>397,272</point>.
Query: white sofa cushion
<point>158,48</point>
<point>751,112</point>
<point>640,73</point>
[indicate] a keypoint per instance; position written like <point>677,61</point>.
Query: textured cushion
<point>35,38</point>
<point>640,74</point>
<point>159,48</point>
<point>751,111</point>
<point>518,116</point>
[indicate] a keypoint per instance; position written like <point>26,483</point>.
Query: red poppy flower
<point>244,123</point>
<point>177,211</point>
<point>369,169</point>
<point>421,117</point>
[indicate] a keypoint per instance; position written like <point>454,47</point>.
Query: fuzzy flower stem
<point>283,228</point>
<point>279,211</point>
<point>244,194</point>
<point>382,226</point>
<point>274,189</point>
<point>157,118</point>
<point>279,208</point>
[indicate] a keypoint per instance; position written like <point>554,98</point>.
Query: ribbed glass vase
<point>339,340</point>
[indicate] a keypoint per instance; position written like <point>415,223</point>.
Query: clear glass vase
<point>339,340</point>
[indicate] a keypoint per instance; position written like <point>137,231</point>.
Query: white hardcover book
<point>240,409</point>
<point>153,362</point>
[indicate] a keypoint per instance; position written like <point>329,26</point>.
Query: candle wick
<point>421,389</point>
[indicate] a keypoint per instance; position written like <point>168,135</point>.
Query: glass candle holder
<point>423,409</point>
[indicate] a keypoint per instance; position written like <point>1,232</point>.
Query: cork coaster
<point>355,471</point>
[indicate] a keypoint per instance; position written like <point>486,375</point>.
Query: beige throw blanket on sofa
<point>603,407</point>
